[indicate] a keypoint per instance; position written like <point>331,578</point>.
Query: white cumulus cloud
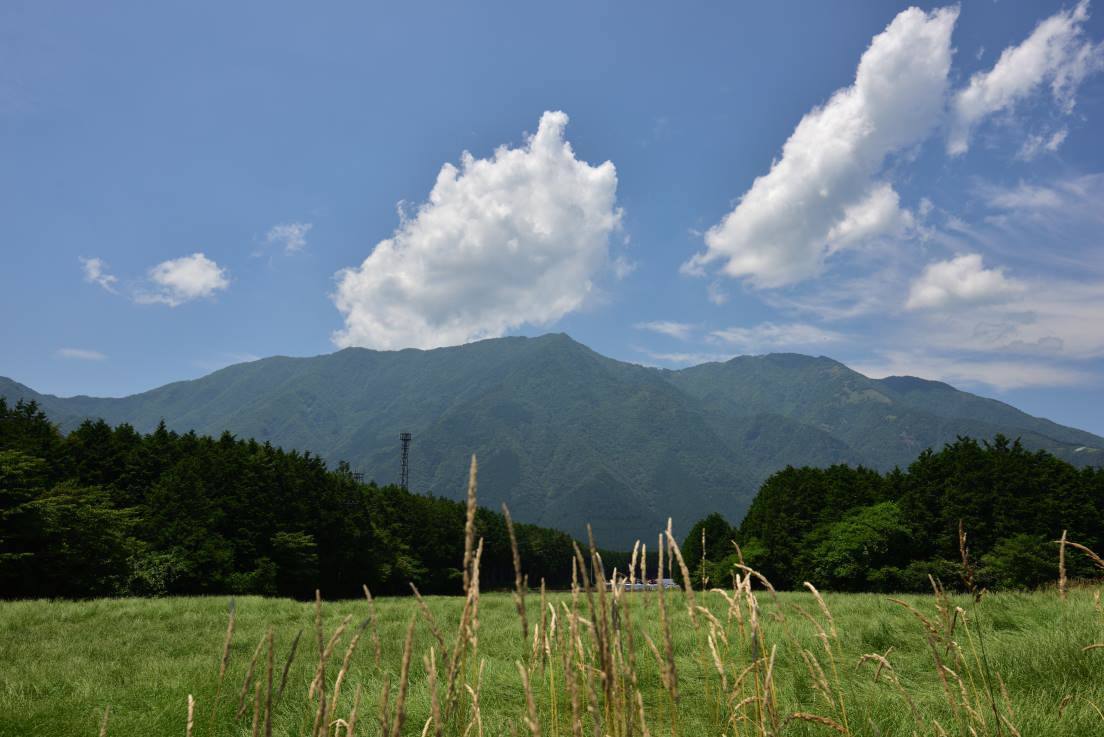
<point>292,236</point>
<point>184,279</point>
<point>517,238</point>
<point>962,279</point>
<point>1056,52</point>
<point>828,190</point>
<point>95,272</point>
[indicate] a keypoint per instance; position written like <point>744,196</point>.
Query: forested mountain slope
<point>567,436</point>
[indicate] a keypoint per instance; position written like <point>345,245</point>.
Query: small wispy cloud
<point>685,359</point>
<point>678,330</point>
<point>184,279</point>
<point>1056,53</point>
<point>716,293</point>
<point>291,236</point>
<point>81,354</point>
<point>95,272</point>
<point>222,360</point>
<point>770,335</point>
<point>622,267</point>
<point>1000,374</point>
<point>1038,143</point>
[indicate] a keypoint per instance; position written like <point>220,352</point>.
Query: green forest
<point>107,511</point>
<point>854,529</point>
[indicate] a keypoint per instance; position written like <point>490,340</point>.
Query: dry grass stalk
<point>969,575</point>
<point>320,638</point>
<point>325,650</point>
<point>345,662</point>
<point>597,630</point>
<point>242,705</point>
<point>384,713</point>
<point>823,609</point>
<point>717,663</point>
<point>224,661</point>
<point>427,615</point>
<point>476,721</point>
<point>770,704</point>
<point>668,642</point>
<point>318,684</point>
<point>469,522</point>
<point>540,636</point>
<point>1096,559</point>
<point>687,584</point>
<point>592,700</point>
<point>465,636</point>
<point>473,625</point>
<point>640,711</point>
<point>454,662</point>
<point>631,645</point>
<point>430,661</point>
<point>404,682</point>
<point>1062,581</point>
<point>571,678</point>
<point>883,665</point>
<point>350,722</point>
<point>103,722</point>
<point>531,720</point>
<point>840,701</point>
<point>622,707</point>
<point>319,633</point>
<point>374,625</point>
<point>189,725</point>
<point>519,583</point>
<point>320,715</point>
<point>287,667</point>
<point>269,666</point>
<point>255,731</point>
<point>632,563</point>
<point>604,625</point>
<point>817,719</point>
<point>704,579</point>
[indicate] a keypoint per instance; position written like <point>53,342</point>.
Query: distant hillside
<point>567,436</point>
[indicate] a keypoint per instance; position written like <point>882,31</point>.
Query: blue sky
<point>908,191</point>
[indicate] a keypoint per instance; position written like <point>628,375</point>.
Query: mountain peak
<point>567,436</point>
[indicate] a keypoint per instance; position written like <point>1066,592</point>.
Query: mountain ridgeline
<point>568,437</point>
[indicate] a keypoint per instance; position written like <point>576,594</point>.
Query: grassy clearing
<point>600,661</point>
<point>64,662</point>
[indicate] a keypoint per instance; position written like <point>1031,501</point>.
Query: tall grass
<point>745,661</point>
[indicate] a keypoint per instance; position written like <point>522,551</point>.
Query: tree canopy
<point>108,511</point>
<point>854,529</point>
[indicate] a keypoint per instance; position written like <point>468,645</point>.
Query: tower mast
<point>404,471</point>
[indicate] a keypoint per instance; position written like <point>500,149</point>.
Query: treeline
<point>854,529</point>
<point>108,511</point>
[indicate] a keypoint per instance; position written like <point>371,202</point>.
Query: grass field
<point>63,663</point>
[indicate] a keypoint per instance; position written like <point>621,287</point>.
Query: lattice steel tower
<point>404,471</point>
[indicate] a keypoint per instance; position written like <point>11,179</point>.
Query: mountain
<point>566,436</point>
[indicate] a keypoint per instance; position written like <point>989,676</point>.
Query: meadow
<point>731,657</point>
<point>748,663</point>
